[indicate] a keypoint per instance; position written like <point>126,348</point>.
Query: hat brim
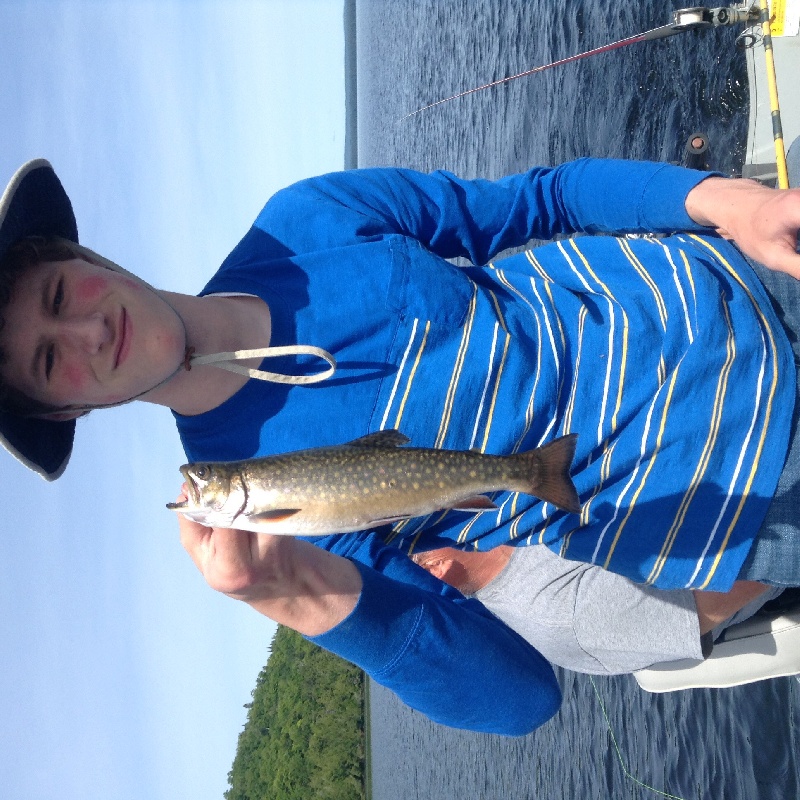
<point>35,204</point>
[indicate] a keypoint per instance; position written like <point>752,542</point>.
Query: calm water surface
<point>641,101</point>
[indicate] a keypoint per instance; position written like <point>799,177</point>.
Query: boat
<point>768,644</point>
<point>759,161</point>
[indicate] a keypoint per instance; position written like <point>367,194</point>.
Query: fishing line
<point>686,19</point>
<point>619,754</point>
<point>654,33</point>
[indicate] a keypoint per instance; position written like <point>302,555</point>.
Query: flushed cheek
<point>74,377</point>
<point>89,289</point>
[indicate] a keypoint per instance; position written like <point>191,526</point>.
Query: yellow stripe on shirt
<point>455,376</point>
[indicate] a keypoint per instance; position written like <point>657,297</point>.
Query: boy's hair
<point>19,259</point>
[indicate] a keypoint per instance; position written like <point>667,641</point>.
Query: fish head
<point>215,494</point>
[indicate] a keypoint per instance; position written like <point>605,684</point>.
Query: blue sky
<point>170,123</point>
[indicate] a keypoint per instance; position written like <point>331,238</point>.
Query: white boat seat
<point>759,648</point>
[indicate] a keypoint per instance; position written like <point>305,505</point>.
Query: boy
<point>664,354</point>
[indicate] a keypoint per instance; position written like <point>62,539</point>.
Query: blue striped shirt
<point>662,353</point>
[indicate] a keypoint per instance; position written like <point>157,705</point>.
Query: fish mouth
<point>191,487</point>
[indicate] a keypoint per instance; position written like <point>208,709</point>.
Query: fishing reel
<point>704,17</point>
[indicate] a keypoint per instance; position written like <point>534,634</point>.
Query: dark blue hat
<point>35,204</point>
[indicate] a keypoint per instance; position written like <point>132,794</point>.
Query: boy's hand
<point>232,562</point>
<point>284,578</point>
<point>764,222</point>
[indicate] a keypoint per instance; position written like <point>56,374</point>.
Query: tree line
<point>304,737</point>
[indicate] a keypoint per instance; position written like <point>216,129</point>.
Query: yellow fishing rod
<point>774,104</point>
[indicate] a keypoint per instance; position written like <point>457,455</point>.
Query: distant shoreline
<point>350,86</point>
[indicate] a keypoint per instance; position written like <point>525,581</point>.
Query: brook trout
<point>368,482</point>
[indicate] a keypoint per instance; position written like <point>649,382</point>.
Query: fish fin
<point>274,515</point>
<point>477,503</point>
<point>177,506</point>
<point>387,438</point>
<point>554,483</point>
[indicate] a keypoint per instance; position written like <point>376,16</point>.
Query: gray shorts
<point>586,619</point>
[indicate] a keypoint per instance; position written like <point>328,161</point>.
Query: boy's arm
<point>477,219</point>
<point>282,577</point>
<point>459,666</point>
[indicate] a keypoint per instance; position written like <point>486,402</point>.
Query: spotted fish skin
<point>368,482</point>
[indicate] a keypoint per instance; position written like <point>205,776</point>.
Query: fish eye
<point>201,471</point>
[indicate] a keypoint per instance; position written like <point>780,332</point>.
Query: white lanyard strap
<point>228,361</point>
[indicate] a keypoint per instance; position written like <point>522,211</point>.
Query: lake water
<point>640,101</point>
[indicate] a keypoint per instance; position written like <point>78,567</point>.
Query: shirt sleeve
<point>477,219</point>
<point>441,653</point>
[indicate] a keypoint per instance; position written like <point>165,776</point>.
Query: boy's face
<point>79,334</point>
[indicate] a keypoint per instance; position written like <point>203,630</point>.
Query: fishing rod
<point>774,105</point>
<point>684,19</point>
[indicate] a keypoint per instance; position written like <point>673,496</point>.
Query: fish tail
<point>552,481</point>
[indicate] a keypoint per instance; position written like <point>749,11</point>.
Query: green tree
<point>304,735</point>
